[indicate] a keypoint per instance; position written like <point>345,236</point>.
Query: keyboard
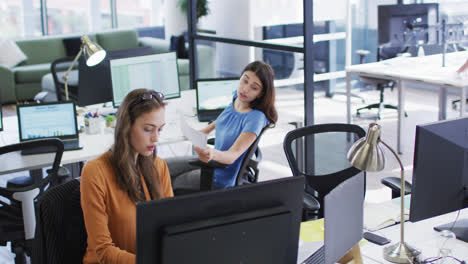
<point>318,257</point>
<point>67,145</point>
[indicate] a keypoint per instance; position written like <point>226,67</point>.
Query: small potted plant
<point>202,7</point>
<point>110,121</point>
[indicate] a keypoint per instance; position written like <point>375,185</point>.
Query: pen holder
<point>93,125</point>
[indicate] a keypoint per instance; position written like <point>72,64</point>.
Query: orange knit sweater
<point>109,214</point>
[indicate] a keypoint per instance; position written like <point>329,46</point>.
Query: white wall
<point>175,21</point>
<point>230,19</point>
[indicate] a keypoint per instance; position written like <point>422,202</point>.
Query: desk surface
<point>93,145</point>
<point>427,69</point>
<point>420,235</point>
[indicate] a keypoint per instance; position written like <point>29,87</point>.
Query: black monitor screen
<point>256,223</point>
<point>407,25</point>
<point>440,173</point>
<point>95,85</point>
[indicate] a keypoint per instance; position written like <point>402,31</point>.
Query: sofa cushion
<point>116,40</point>
<point>31,73</point>
<point>11,54</point>
<point>42,50</point>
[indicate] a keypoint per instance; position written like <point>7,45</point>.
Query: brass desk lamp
<point>93,53</point>
<point>366,154</point>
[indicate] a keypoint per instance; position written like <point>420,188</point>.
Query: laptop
<point>48,120</point>
<point>344,208</point>
<point>213,95</point>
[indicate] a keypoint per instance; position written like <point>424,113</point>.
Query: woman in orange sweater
<point>128,173</point>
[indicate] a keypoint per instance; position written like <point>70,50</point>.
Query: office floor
<point>421,106</point>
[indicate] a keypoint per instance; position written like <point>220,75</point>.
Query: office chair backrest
<point>248,172</point>
<point>327,166</point>
<point>61,232</point>
<point>58,69</point>
<point>27,194</point>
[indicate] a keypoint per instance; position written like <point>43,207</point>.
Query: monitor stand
<point>460,229</point>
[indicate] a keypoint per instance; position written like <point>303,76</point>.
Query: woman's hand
<point>204,155</point>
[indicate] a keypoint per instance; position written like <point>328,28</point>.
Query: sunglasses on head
<point>148,96</point>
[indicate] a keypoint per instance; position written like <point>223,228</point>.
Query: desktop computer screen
<point>158,72</point>
<point>407,25</point>
<point>257,223</point>
<point>213,95</point>
<point>95,85</point>
<point>440,173</point>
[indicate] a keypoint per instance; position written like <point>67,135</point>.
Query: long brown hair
<point>266,101</point>
<point>127,172</point>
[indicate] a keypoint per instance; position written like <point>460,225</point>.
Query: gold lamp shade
<point>93,53</point>
<point>366,154</point>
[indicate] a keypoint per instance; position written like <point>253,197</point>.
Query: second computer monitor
<point>440,172</point>
<point>213,95</point>
<point>158,72</point>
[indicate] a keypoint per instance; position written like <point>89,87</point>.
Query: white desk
<point>403,70</point>
<point>420,235</point>
<point>93,145</point>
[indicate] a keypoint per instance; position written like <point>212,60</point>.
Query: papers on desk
<point>198,138</point>
<point>380,215</point>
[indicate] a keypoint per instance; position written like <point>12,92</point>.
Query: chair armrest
<point>207,172</point>
<point>310,202</point>
<point>211,141</point>
<point>394,183</point>
<point>211,164</point>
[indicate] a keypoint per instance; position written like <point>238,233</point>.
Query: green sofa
<point>23,82</point>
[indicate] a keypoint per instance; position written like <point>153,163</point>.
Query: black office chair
<point>60,231</point>
<point>58,69</point>
<point>380,84</point>
<point>248,172</point>
<point>17,207</point>
<point>394,184</point>
<point>327,167</point>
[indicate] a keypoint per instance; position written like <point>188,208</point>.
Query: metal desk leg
<point>443,103</point>
<point>348,97</point>
<point>462,101</point>
<point>401,111</point>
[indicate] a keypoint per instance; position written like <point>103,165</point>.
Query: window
<point>77,16</point>
<point>20,18</point>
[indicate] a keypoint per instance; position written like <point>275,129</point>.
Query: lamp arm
<point>402,194</point>
<point>65,76</point>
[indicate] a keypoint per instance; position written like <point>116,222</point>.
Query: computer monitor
<point>440,173</point>
<point>95,85</point>
<point>257,223</point>
<point>407,25</point>
<point>213,95</point>
<point>158,72</point>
